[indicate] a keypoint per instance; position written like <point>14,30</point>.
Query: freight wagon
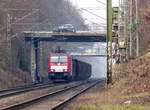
<point>64,67</point>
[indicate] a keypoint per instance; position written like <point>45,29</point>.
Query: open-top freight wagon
<point>64,67</point>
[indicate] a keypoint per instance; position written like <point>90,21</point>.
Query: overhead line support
<point>109,41</point>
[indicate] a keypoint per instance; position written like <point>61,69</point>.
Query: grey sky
<point>94,7</point>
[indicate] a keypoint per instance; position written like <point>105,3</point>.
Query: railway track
<point>55,99</point>
<point>23,89</point>
<point>22,96</point>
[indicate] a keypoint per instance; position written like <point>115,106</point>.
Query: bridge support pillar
<point>34,61</point>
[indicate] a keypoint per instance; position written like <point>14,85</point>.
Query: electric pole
<point>8,35</point>
<point>131,40</point>
<point>109,41</point>
<point>137,30</point>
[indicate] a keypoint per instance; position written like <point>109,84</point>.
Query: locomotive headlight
<point>65,70</point>
<point>52,70</point>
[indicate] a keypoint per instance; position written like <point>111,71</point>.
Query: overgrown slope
<point>131,85</point>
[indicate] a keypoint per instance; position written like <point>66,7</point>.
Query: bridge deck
<point>81,36</point>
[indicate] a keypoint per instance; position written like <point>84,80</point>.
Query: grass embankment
<point>131,84</point>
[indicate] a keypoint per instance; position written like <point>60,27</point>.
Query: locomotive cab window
<point>54,59</point>
<point>63,59</point>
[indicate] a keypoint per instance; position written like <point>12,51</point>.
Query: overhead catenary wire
<point>15,22</point>
<point>90,11</point>
<point>20,19</point>
<point>45,21</point>
<point>34,11</point>
<point>93,14</point>
<point>95,8</point>
<point>101,2</point>
<point>95,22</point>
<point>19,9</point>
<point>29,14</point>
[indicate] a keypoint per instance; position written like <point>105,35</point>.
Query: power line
<point>94,22</point>
<point>29,14</point>
<point>19,9</point>
<point>101,2</point>
<point>95,8</point>
<point>20,19</point>
<point>93,14</point>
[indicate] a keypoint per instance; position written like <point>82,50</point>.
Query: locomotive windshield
<point>55,59</point>
<point>63,59</point>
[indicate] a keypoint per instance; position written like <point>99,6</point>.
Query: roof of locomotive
<point>59,54</point>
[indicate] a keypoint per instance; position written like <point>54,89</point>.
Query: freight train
<point>62,66</point>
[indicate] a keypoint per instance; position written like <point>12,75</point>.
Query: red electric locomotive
<point>59,66</point>
<point>62,66</point>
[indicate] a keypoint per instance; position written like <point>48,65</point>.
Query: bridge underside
<point>66,38</point>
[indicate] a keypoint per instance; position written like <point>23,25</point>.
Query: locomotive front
<point>59,66</point>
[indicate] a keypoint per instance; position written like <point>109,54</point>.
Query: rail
<point>72,91</point>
